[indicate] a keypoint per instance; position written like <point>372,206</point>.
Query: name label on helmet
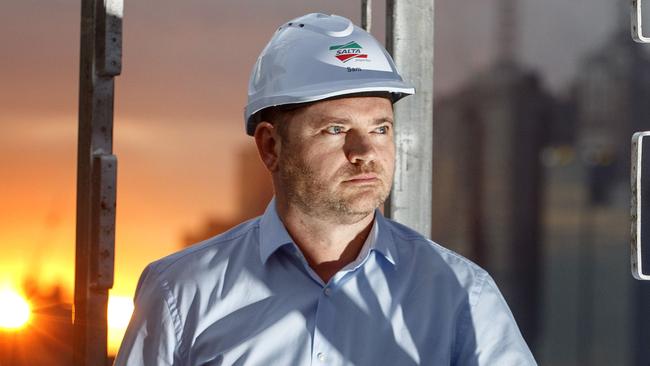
<point>349,51</point>
<point>353,69</point>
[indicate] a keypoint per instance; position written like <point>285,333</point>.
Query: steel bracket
<point>637,23</point>
<point>108,55</point>
<point>103,243</point>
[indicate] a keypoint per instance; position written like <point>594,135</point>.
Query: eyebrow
<point>379,121</point>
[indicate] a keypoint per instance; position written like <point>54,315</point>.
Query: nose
<point>359,147</point>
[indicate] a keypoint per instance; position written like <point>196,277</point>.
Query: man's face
<point>337,157</point>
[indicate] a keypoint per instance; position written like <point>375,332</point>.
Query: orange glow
<point>37,219</point>
<point>156,206</point>
<point>15,311</point>
<point>120,309</point>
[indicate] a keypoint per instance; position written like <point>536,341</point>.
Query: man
<point>322,278</point>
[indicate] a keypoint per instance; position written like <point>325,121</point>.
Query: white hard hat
<point>319,56</point>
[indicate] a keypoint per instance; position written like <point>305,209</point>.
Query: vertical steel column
<point>507,30</point>
<point>100,61</point>
<point>366,15</point>
<point>409,38</point>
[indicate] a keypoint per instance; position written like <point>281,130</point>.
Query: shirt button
<point>321,357</point>
<point>328,292</point>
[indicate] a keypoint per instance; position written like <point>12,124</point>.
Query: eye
<point>382,130</point>
<point>334,130</point>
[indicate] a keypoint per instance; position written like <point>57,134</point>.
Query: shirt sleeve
<point>487,331</point>
<point>151,338</point>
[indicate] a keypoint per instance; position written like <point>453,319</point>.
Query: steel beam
<point>366,15</point>
<point>409,38</point>
<point>100,62</point>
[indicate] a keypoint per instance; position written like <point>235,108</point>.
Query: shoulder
<point>203,259</point>
<point>173,289</point>
<point>434,261</point>
<point>486,331</point>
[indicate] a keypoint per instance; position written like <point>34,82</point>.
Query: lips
<point>362,178</point>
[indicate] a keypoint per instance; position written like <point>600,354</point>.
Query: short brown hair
<point>279,116</point>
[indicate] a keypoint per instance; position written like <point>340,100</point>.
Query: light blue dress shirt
<point>248,297</point>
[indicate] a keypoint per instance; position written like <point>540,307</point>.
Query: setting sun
<point>15,311</point>
<point>119,314</point>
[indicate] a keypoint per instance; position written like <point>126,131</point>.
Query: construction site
<point>124,142</point>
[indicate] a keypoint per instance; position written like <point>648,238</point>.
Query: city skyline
<point>178,111</point>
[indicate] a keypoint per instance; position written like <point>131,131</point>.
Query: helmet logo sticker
<point>349,51</point>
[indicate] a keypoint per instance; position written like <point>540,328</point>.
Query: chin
<point>363,204</point>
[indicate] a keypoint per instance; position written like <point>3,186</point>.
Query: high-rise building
<point>487,175</point>
<point>487,181</point>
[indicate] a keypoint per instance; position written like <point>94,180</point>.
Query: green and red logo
<point>348,51</point>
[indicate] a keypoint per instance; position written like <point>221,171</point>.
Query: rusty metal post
<point>409,39</point>
<point>366,15</point>
<point>100,62</point>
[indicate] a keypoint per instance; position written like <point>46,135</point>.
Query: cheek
<point>324,155</point>
<point>328,165</point>
<point>320,160</point>
<point>390,167</point>
<point>387,153</point>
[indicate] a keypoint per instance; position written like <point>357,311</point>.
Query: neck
<point>328,245</point>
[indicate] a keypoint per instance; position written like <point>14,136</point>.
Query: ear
<point>268,144</point>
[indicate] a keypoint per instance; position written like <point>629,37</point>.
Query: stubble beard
<point>329,200</point>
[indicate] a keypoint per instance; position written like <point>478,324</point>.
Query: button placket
<point>323,354</point>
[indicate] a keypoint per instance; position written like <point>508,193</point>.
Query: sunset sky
<point>178,111</point>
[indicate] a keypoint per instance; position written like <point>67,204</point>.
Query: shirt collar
<point>385,243</point>
<point>273,235</point>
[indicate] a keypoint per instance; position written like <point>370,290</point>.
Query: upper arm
<point>488,333</point>
<point>152,337</point>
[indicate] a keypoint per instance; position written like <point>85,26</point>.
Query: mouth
<point>362,179</point>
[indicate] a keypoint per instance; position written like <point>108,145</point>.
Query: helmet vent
<point>301,25</point>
